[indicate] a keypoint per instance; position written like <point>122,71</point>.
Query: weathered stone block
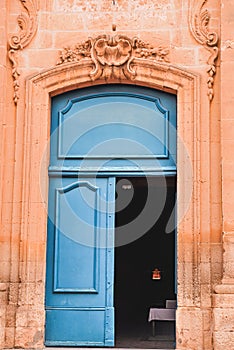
<point>224,319</point>
<point>10,337</point>
<point>223,301</point>
<point>10,315</point>
<point>27,337</point>
<point>189,328</point>
<point>223,340</point>
<point>30,317</point>
<point>31,294</point>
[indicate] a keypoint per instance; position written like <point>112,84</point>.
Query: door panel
<point>79,289</point>
<point>76,327</point>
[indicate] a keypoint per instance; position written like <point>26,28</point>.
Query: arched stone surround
<point>75,75</point>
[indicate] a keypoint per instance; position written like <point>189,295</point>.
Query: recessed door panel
<point>130,126</point>
<point>76,265</point>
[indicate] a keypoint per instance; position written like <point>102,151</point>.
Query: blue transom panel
<point>114,127</point>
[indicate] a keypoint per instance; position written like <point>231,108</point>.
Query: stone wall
<point>224,292</point>
<point>186,47</point>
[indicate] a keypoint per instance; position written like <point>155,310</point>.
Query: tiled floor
<point>143,339</point>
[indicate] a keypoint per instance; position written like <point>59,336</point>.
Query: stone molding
<point>199,20</point>
<point>73,75</point>
<point>27,22</point>
<point>112,56</point>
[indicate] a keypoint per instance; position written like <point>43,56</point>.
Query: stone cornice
<point>112,56</point>
<point>199,26</point>
<point>27,22</point>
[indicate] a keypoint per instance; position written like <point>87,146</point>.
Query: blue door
<point>79,289</point>
<point>97,134</point>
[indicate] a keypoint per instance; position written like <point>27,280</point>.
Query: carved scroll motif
<point>199,26</point>
<point>27,22</point>
<point>113,55</point>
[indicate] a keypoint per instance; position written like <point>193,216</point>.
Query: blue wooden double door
<point>97,136</point>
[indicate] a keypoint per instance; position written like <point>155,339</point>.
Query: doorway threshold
<point>87,348</point>
<point>97,348</point>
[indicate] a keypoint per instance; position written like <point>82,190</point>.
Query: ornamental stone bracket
<point>199,20</point>
<point>112,56</point>
<point>27,22</point>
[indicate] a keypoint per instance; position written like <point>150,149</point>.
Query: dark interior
<point>135,290</point>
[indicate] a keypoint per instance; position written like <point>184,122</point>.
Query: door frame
<point>70,167</point>
<point>39,89</point>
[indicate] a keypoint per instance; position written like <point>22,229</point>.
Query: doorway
<point>135,290</point>
<point>98,136</point>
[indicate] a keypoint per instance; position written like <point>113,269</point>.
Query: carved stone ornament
<point>27,22</point>
<point>113,55</point>
<point>199,26</point>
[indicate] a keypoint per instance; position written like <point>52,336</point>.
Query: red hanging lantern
<point>156,274</point>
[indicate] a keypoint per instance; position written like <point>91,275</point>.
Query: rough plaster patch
<point>145,7</point>
<point>76,5</point>
<point>139,14</point>
<point>150,9</point>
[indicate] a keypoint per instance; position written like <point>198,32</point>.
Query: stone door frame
<point>75,75</point>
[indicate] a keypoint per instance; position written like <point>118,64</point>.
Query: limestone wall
<point>186,47</point>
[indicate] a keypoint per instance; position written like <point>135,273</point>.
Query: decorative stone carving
<point>113,55</point>
<point>199,26</point>
<point>27,22</point>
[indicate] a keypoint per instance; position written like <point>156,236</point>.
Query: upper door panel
<point>114,126</point>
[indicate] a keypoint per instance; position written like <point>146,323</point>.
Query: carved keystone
<point>113,55</point>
